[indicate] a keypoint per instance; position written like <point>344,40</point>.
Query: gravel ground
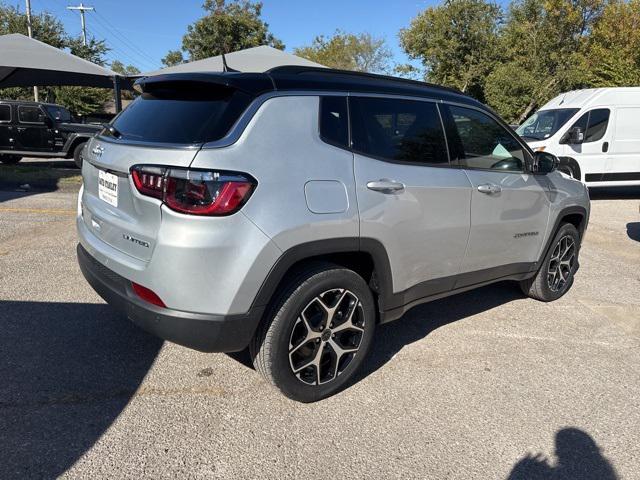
<point>486,384</point>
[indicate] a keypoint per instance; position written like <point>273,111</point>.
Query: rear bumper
<point>204,332</point>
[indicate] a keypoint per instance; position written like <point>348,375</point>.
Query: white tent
<point>253,60</point>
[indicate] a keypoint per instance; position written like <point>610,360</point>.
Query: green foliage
<point>172,58</point>
<point>347,51</point>
<point>227,26</point>
<point>456,42</point>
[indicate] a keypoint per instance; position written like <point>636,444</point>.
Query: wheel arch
<point>367,257</point>
<point>572,165</point>
<point>575,215</point>
<point>73,141</point>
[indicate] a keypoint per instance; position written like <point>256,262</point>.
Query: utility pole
<point>81,8</point>
<point>30,32</point>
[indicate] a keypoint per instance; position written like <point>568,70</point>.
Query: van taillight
<point>196,192</point>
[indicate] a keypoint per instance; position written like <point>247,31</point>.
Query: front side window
<point>545,123</point>
<point>593,124</point>
<point>5,113</point>
<point>59,114</point>
<point>30,114</point>
<point>398,130</point>
<point>334,121</point>
<point>478,141</point>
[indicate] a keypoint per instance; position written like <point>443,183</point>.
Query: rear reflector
<point>147,295</point>
<point>196,192</point>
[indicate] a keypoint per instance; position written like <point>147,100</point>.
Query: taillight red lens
<point>194,192</point>
<point>149,180</point>
<point>147,295</point>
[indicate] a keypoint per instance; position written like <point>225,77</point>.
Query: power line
<point>81,8</point>
<point>125,40</point>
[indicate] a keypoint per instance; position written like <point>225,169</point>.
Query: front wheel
<point>10,159</point>
<point>555,276</point>
<point>317,333</point>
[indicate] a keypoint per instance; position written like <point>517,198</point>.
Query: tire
<point>77,154</point>
<point>556,274</point>
<point>10,159</point>
<point>287,347</point>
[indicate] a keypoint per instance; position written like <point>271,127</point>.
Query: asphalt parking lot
<point>487,384</point>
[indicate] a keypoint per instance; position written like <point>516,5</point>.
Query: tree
<point>172,58</point>
<point>119,67</point>
<point>84,100</point>
<point>228,26</point>
<point>543,45</point>
<point>613,57</point>
<point>456,42</point>
<point>347,51</point>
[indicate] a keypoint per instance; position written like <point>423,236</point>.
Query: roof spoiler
<point>251,83</point>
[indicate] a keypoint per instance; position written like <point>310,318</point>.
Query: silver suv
<point>292,211</point>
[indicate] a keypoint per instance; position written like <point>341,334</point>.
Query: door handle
<point>605,147</point>
<point>489,188</point>
<point>385,186</point>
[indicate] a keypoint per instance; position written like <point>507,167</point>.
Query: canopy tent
<point>253,60</point>
<point>27,62</point>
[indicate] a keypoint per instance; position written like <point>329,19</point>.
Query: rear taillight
<point>195,192</point>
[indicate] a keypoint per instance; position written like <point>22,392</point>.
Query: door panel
<point>623,160</point>
<point>31,131</point>
<point>5,125</point>
<point>424,227</point>
<point>507,226</point>
<point>592,154</point>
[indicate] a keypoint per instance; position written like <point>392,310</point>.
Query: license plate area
<point>108,187</point>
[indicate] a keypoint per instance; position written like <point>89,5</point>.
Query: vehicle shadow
<point>420,321</point>
<point>633,231</point>
<point>67,371</point>
<point>35,177</point>
<point>578,458</point>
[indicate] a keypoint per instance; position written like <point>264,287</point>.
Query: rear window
<point>181,113</point>
<point>402,130</point>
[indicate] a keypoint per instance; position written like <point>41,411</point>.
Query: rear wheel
<point>555,276</point>
<point>10,159</point>
<point>77,154</point>
<point>317,333</point>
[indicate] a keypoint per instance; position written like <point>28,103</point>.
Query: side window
<point>477,141</point>
<point>5,113</point>
<point>401,130</point>
<point>334,121</point>
<point>594,124</point>
<point>30,114</point>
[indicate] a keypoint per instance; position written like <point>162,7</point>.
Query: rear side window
<point>181,113</point>
<point>5,113</point>
<point>594,123</point>
<point>478,141</point>
<point>399,130</point>
<point>334,121</point>
<point>30,114</point>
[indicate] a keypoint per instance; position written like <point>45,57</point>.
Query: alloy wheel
<point>561,263</point>
<point>326,336</point>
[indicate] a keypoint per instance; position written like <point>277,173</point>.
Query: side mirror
<point>574,136</point>
<point>544,162</point>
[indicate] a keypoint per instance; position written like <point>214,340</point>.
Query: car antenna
<point>225,67</point>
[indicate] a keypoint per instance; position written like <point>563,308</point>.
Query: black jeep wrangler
<point>30,129</point>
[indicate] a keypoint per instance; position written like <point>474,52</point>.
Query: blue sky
<point>140,32</point>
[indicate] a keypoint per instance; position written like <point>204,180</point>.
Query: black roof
<point>312,78</point>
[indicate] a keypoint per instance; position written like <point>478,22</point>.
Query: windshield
<point>545,123</point>
<point>180,113</point>
<point>59,114</point>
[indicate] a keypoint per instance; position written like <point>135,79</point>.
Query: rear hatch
<point>165,126</point>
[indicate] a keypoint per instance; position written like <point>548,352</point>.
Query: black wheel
<point>316,334</point>
<point>555,276</point>
<point>77,154</point>
<point>10,159</point>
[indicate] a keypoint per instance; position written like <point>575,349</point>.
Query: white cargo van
<point>595,133</point>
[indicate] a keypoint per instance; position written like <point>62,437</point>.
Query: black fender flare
<point>571,165</point>
<point>382,283</point>
<point>572,210</point>
<point>74,139</point>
